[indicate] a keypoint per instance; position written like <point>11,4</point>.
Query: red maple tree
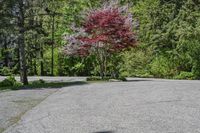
<point>105,31</point>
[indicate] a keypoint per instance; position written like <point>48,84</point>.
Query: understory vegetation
<point>10,83</point>
<point>167,34</point>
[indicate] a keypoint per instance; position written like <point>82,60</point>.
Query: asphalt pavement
<point>136,106</point>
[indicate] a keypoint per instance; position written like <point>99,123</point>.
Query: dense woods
<point>32,39</point>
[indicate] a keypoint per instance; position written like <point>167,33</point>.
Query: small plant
<point>18,84</point>
<point>10,81</point>
<point>40,81</point>
<point>122,78</point>
<point>97,79</point>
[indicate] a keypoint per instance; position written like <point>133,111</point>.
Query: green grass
<point>35,85</point>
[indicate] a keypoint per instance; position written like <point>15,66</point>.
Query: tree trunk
<point>52,48</point>
<point>41,61</point>
<point>23,70</point>
<point>21,41</point>
<point>6,54</point>
<point>30,66</point>
<point>101,70</point>
<point>35,67</point>
<point>101,58</point>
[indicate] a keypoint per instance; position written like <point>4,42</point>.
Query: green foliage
<point>39,84</point>
<point>195,55</point>
<point>136,62</point>
<point>122,78</point>
<point>79,67</point>
<point>185,75</point>
<point>40,81</point>
<point>97,78</point>
<point>17,85</point>
<point>161,67</point>
<point>168,37</point>
<point>171,29</point>
<point>10,81</point>
<point>5,71</point>
<point>74,66</point>
<point>196,69</point>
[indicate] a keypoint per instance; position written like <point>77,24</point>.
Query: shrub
<point>185,75</point>
<point>136,62</point>
<point>196,70</point>
<point>94,78</point>
<point>18,84</point>
<point>10,81</point>
<point>162,67</point>
<point>40,81</point>
<point>78,68</point>
<point>122,78</point>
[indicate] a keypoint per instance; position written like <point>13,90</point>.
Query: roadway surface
<point>136,106</point>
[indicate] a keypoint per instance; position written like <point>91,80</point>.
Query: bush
<point>18,84</point>
<point>78,68</point>
<point>185,75</point>
<point>145,75</point>
<point>122,78</point>
<point>196,70</point>
<point>161,67</point>
<point>40,81</point>
<point>10,81</point>
<point>94,78</point>
<point>136,62</point>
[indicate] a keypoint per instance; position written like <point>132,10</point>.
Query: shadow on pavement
<point>105,132</point>
<point>51,85</point>
<point>138,80</point>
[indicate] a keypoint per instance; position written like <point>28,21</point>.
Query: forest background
<point>32,32</point>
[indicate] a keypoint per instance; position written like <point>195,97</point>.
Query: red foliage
<point>110,27</point>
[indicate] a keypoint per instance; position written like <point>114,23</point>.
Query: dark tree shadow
<point>139,80</point>
<point>105,132</point>
<point>49,85</point>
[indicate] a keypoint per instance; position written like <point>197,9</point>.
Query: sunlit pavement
<point>136,106</point>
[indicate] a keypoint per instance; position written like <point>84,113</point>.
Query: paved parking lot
<point>136,106</point>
